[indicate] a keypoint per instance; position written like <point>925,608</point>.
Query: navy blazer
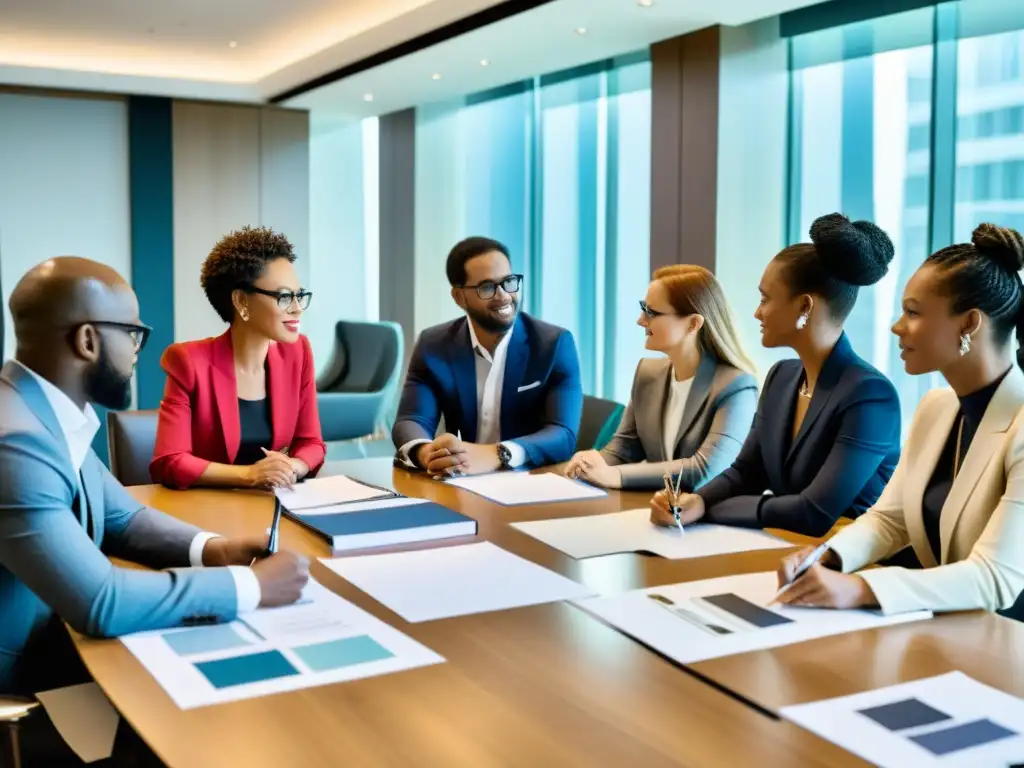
<point>541,395</point>
<point>838,464</point>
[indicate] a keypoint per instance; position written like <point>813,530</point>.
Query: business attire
<point>840,460</point>
<point>962,512</point>
<point>526,396</point>
<point>693,427</point>
<point>202,419</point>
<point>62,515</point>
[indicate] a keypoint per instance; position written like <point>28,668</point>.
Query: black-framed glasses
<point>652,313</point>
<point>488,288</point>
<point>284,298</point>
<point>139,332</point>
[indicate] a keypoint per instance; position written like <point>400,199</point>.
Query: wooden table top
<point>541,685</point>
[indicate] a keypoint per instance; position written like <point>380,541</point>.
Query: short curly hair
<point>240,259</point>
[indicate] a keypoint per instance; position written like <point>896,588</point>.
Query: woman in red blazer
<point>240,410</point>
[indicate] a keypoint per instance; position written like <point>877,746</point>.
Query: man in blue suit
<point>506,384</point>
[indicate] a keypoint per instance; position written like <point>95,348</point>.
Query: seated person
<point>62,514</point>
<point>240,410</point>
<point>957,496</point>
<point>689,412</point>
<point>507,384</point>
<point>826,436</point>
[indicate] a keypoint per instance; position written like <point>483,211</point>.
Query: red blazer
<point>199,413</point>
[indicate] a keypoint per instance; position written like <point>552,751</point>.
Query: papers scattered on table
<point>325,491</point>
<point>84,718</point>
<point>433,584</point>
<point>521,488</point>
<point>702,620</point>
<point>321,639</point>
<point>949,720</point>
<point>632,531</point>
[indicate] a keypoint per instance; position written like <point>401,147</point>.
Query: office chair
<point>12,711</point>
<point>131,437</point>
<point>356,391</point>
<point>599,422</point>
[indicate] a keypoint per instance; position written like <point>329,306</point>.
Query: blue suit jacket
<point>54,552</point>
<point>838,464</point>
<point>543,419</point>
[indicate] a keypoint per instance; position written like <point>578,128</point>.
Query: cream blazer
<point>982,522</point>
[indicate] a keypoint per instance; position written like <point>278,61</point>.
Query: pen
<point>801,569</point>
<point>274,526</point>
<point>672,495</point>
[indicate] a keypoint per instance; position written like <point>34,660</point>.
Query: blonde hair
<point>693,290</point>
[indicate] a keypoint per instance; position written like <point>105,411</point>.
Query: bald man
<point>62,513</point>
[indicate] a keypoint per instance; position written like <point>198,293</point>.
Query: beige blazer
<point>982,522</point>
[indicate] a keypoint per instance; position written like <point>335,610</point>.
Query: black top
<point>256,431</point>
<point>972,409</point>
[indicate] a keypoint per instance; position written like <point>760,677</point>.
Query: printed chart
<point>320,640</point>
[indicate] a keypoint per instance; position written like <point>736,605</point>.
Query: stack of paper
<point>948,720</point>
<point>633,531</point>
<point>454,581</point>
<point>702,620</point>
<point>325,491</point>
<point>322,639</point>
<point>521,488</point>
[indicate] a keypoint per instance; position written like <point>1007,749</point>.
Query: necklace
<point>804,391</point>
<point>956,456</point>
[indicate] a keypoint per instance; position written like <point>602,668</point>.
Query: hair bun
<point>856,252</point>
<point>1003,245</point>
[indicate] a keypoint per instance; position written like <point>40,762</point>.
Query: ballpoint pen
<point>275,525</point>
<point>801,569</point>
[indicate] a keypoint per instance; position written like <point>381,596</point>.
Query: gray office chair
<point>131,437</point>
<point>599,422</point>
<point>12,711</point>
<point>356,391</point>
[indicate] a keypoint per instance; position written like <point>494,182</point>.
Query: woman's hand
<point>273,471</point>
<point>820,587</point>
<point>591,467</point>
<point>691,509</point>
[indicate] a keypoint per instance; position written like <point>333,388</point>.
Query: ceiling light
<point>484,63</point>
<point>367,97</point>
<point>581,30</point>
<point>436,76</point>
<point>232,44</point>
<point>645,3</point>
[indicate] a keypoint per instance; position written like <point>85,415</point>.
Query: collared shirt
<point>79,426</point>
<point>490,376</point>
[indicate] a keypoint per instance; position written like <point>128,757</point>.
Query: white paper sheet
<point>430,584</point>
<point>683,633</point>
<point>320,640</point>
<point>632,531</point>
<point>84,718</point>
<point>325,491</point>
<point>943,712</point>
<point>521,488</point>
<point>362,506</point>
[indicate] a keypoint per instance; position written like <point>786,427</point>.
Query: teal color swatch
<point>253,668</point>
<point>342,653</point>
<point>215,637</point>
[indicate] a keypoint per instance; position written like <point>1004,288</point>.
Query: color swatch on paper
<point>215,637</point>
<point>345,652</point>
<point>252,668</point>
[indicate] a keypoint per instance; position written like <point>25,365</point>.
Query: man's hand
<point>448,456</point>
<point>282,577</point>
<point>220,552</point>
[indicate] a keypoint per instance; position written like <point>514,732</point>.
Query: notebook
<point>383,523</point>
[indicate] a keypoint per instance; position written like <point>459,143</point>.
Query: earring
<point>245,317</point>
<point>801,322</point>
<point>965,344</point>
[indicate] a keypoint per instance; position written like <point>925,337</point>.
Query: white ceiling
<point>251,50</point>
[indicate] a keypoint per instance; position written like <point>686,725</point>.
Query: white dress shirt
<point>490,376</point>
<point>79,427</point>
<point>677,393</point>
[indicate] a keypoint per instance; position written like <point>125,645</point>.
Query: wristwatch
<point>504,456</point>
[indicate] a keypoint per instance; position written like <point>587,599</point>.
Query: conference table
<point>539,685</point>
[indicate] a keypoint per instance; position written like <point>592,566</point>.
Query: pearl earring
<point>801,322</point>
<point>245,317</point>
<point>965,344</point>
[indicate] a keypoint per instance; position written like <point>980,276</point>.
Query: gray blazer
<point>54,550</point>
<point>718,415</point>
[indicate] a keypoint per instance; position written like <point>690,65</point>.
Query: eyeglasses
<point>652,313</point>
<point>284,298</point>
<point>139,333</point>
<point>488,288</point>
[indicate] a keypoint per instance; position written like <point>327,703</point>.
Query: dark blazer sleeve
<point>173,462</point>
<point>307,442</point>
<point>419,411</point>
<point>563,407</point>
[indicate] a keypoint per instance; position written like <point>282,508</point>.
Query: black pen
<point>274,526</point>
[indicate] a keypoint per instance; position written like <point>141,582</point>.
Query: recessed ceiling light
<point>484,63</point>
<point>581,30</point>
<point>436,76</point>
<point>232,44</point>
<point>645,3</point>
<point>367,97</point>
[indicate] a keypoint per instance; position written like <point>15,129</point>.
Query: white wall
<point>63,185</point>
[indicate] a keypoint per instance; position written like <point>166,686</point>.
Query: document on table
<point>428,584</point>
<point>520,488</point>
<point>326,491</point>
<point>633,531</point>
<point>949,720</point>
<point>321,639</point>
<point>702,620</point>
